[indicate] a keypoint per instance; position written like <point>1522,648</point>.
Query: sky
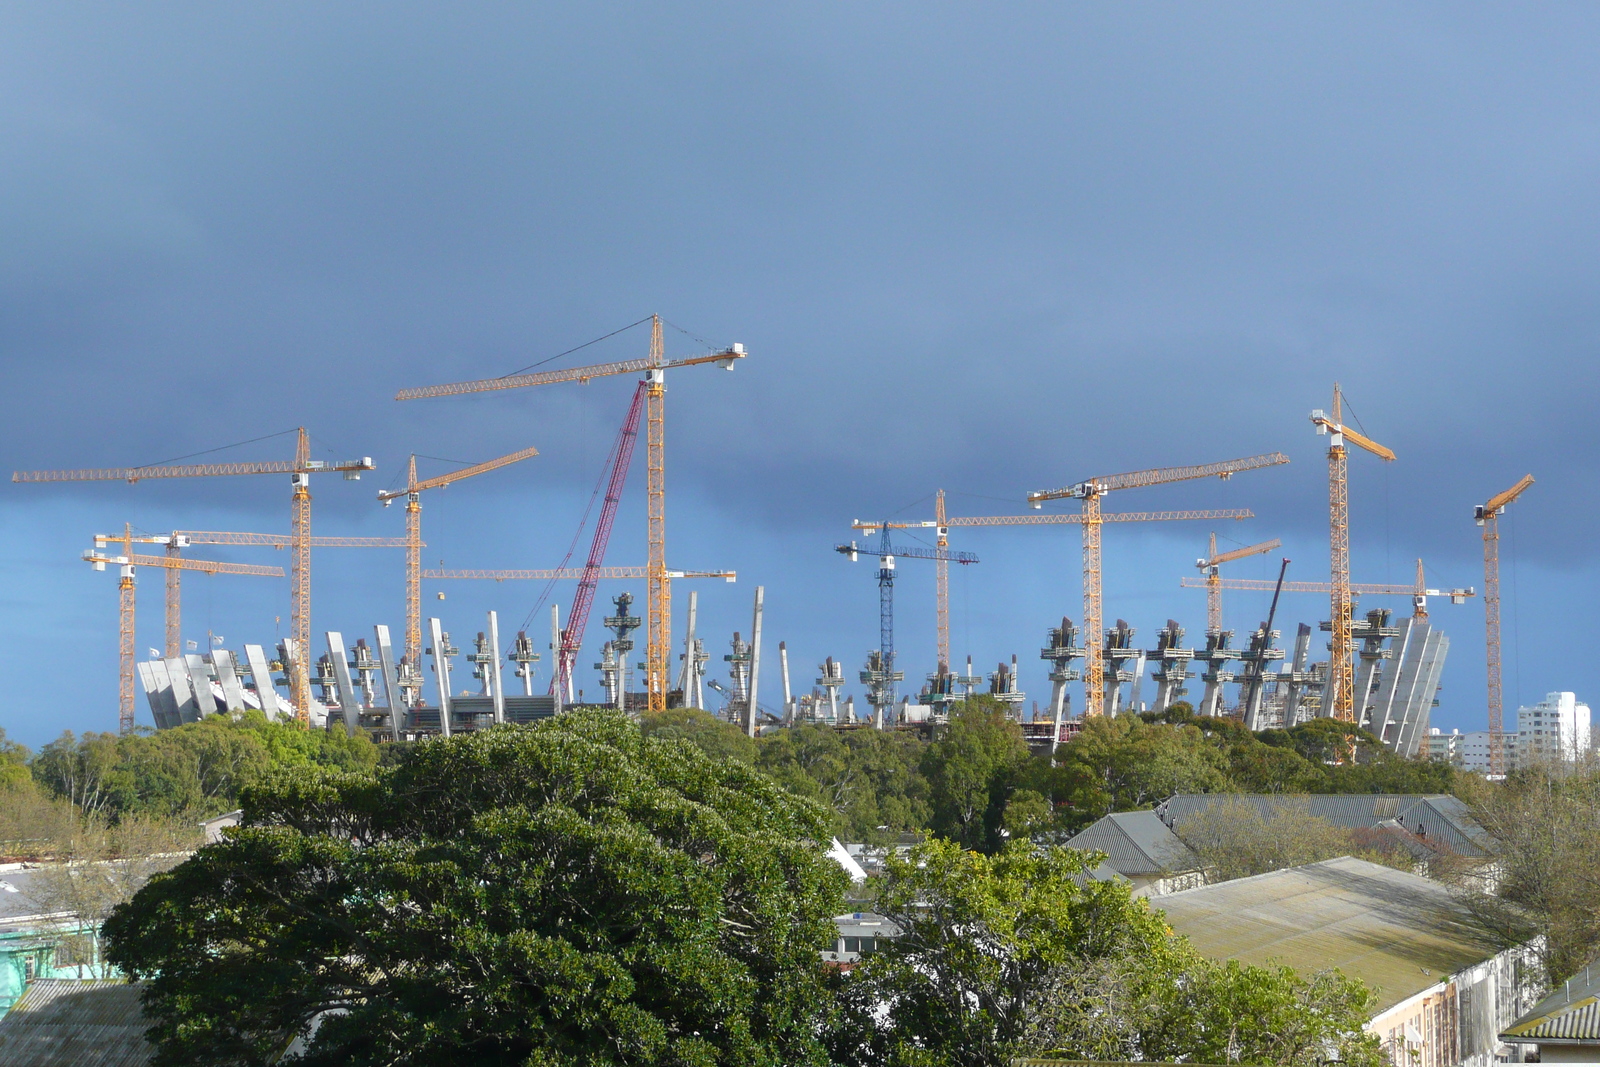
<point>989,249</point>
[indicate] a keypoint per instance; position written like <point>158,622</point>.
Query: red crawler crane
<point>578,616</point>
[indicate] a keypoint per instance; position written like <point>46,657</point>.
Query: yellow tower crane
<point>126,562</point>
<point>1341,679</point>
<point>658,578</point>
<point>413,542</point>
<point>299,470</point>
<point>1488,516</point>
<point>942,524</point>
<point>1090,492</point>
<point>1210,567</point>
<point>178,540</point>
<point>1418,592</point>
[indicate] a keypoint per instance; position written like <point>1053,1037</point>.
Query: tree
<point>970,769</point>
<point>1123,763</point>
<point>570,892</point>
<point>1236,839</point>
<point>197,768</point>
<point>1545,821</point>
<point>869,779</point>
<point>14,771</point>
<point>1022,953</point>
<point>718,739</point>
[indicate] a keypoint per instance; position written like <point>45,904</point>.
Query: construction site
<point>1377,667</point>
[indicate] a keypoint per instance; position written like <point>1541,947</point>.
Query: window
<point>852,944</point>
<point>868,944</point>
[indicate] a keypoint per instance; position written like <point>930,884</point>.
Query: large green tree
<point>568,893</point>
<point>1023,953</point>
<point>971,768</point>
<point>870,779</point>
<point>197,768</point>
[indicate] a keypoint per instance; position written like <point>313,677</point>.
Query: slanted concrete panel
<point>261,675</point>
<point>200,677</point>
<point>391,680</point>
<point>182,691</point>
<point>228,678</point>
<point>349,706</point>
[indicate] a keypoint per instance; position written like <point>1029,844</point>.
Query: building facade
<point>1554,730</point>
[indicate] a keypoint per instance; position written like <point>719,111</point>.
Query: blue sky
<point>984,249</point>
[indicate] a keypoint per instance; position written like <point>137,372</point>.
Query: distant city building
<point>1556,728</point>
<point>1444,747</point>
<point>1474,750</point>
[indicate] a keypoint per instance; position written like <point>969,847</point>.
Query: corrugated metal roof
<point>1397,932</point>
<point>1437,817</point>
<point>61,1023</point>
<point>1136,843</point>
<point>1571,1013</point>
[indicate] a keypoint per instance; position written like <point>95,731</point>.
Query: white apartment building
<point>1556,728</point>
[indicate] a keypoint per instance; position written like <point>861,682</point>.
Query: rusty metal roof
<point>68,1023</point>
<point>1397,932</point>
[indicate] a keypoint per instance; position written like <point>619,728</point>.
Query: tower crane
<point>413,542</point>
<point>655,366</point>
<point>1090,492</point>
<point>880,674</point>
<point>126,562</point>
<point>942,523</point>
<point>1418,592</point>
<point>1340,677</point>
<point>299,470</point>
<point>178,540</point>
<point>1488,516</point>
<point>1209,567</point>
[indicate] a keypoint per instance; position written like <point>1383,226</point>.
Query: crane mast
<point>1488,516</point>
<point>413,540</point>
<point>658,632</point>
<point>299,470</point>
<point>1089,492</point>
<point>1341,683</point>
<point>655,366</point>
<point>126,618</point>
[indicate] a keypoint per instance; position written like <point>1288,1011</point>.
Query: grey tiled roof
<point>1569,1015</point>
<point>1438,818</point>
<point>1137,843</point>
<point>60,1023</point>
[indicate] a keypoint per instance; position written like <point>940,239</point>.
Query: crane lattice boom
<point>1488,516</point>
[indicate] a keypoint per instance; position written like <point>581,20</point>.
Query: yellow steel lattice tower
<point>300,469</point>
<point>413,540</point>
<point>413,569</point>
<point>1488,516</point>
<point>659,633</point>
<point>658,578</point>
<point>945,521</point>
<point>1211,568</point>
<point>1090,492</point>
<point>942,577</point>
<point>300,579</point>
<point>125,649</point>
<point>125,600</point>
<point>1339,699</point>
<point>174,602</point>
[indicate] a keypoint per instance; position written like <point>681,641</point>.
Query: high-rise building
<point>1556,728</point>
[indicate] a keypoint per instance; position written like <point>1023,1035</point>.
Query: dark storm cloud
<point>990,249</point>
